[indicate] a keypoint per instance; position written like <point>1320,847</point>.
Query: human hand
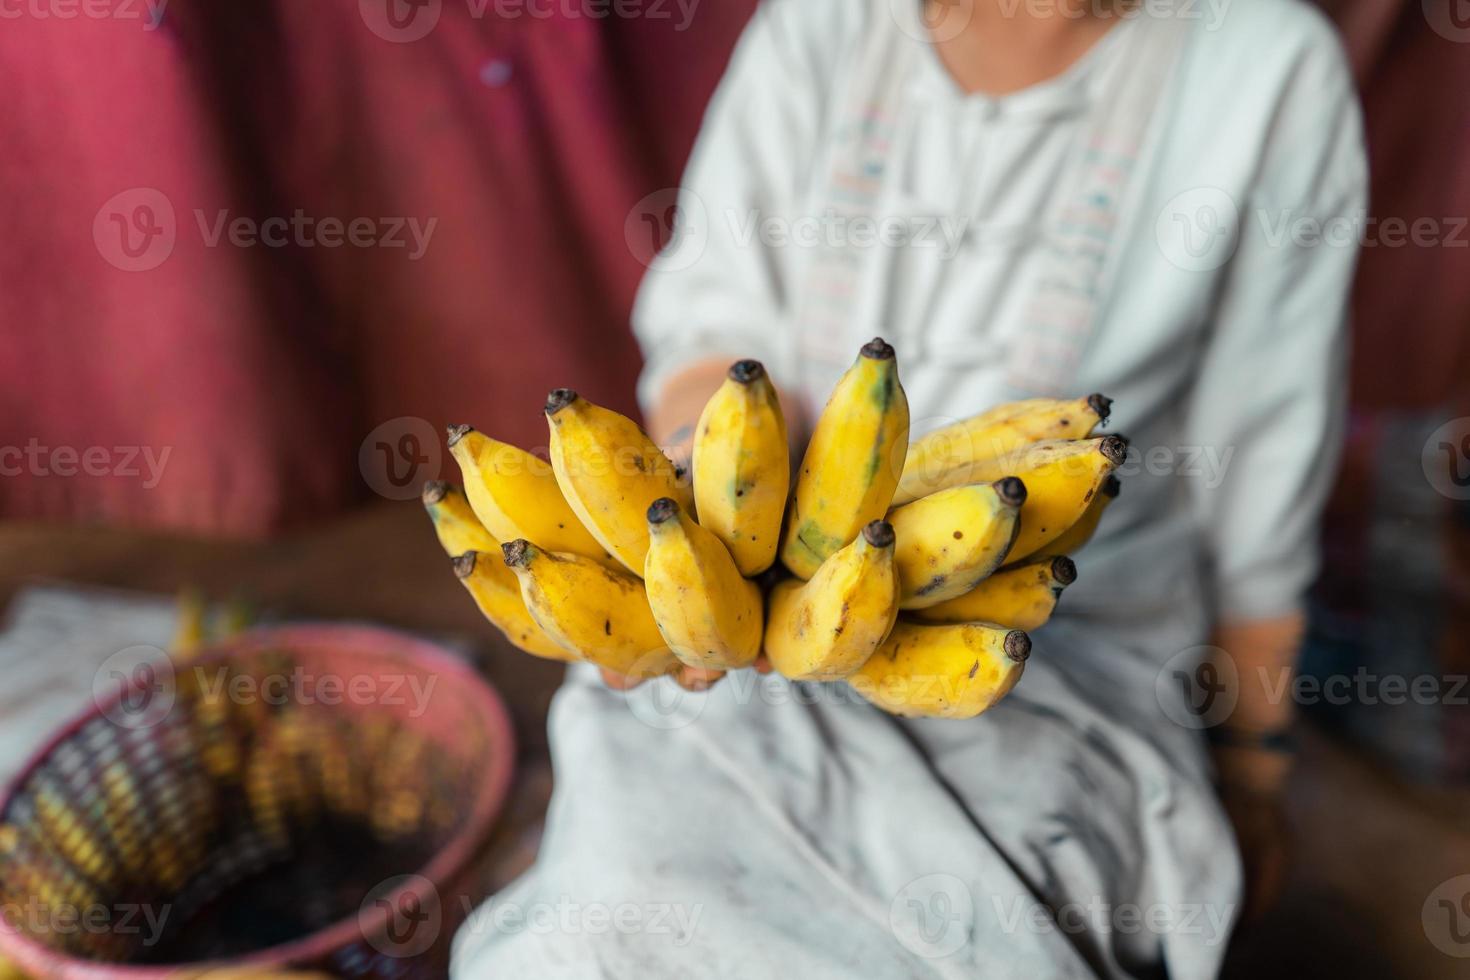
<point>1252,790</point>
<point>689,678</point>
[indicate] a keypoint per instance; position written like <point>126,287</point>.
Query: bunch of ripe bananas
<point>910,570</point>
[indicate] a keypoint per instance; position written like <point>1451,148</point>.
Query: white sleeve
<point>1271,394</point>
<point>716,290</point>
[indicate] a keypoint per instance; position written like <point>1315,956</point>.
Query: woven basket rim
<point>450,860</point>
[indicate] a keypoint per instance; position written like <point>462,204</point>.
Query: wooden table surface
<point>1370,848</point>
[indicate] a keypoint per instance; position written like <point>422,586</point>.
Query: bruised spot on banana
<point>707,612</point>
<point>514,495</point>
<point>610,471</point>
<point>943,671</point>
<point>593,611</point>
<point>982,449</point>
<point>1022,597</point>
<point>950,540</point>
<point>826,628</point>
<point>852,462</point>
<point>742,467</point>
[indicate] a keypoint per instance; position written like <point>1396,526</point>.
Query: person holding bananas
<point>1025,200</point>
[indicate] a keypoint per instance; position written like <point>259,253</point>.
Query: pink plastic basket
<point>298,798</point>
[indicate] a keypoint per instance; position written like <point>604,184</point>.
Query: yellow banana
<point>709,614</point>
<point>943,671</point>
<point>1022,597</point>
<point>742,467</point>
<point>610,471</point>
<point>1062,478</point>
<point>455,523</point>
<point>598,613</point>
<point>950,540</point>
<point>515,495</point>
<point>977,450</point>
<point>479,568</point>
<point>498,594</point>
<point>1076,536</point>
<point>827,628</point>
<point>852,463</point>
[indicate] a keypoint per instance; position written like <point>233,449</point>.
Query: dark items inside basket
<point>236,821</point>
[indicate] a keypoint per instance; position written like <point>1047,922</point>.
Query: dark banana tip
<point>1011,490</point>
<point>879,534</point>
<point>517,553</point>
<point>1063,570</point>
<point>558,399</point>
<point>877,349</point>
<point>1112,486</point>
<point>744,372</point>
<point>458,432</point>
<point>1102,407</point>
<point>662,509</point>
<point>464,565</point>
<point>1018,646</point>
<point>435,491</point>
<point>1115,448</point>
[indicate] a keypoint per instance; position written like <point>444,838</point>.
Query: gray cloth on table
<point>775,830</point>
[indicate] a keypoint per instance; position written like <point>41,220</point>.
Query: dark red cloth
<point>261,370</point>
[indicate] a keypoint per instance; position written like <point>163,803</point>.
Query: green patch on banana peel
<point>815,541</point>
<point>882,392</point>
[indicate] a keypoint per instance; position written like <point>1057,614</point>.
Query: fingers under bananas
<point>597,613</point>
<point>498,594</point>
<point>1062,478</point>
<point>978,449</point>
<point>515,495</point>
<point>455,523</point>
<point>742,467</point>
<point>828,627</point>
<point>707,612</point>
<point>610,471</point>
<point>1022,598</point>
<point>852,462</point>
<point>950,540</point>
<point>1076,537</point>
<point>943,671</point>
